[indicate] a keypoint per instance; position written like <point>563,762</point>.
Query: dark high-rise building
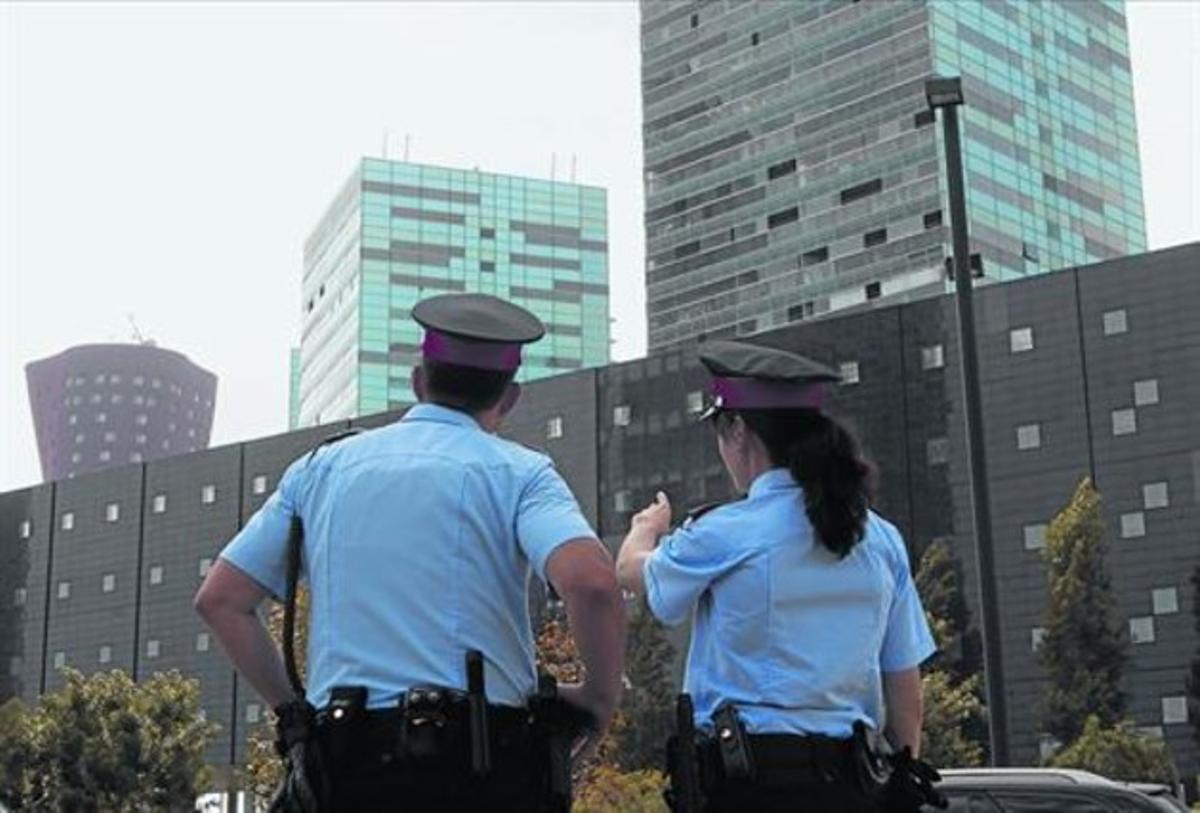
<point>792,168</point>
<point>101,405</point>
<point>1085,372</point>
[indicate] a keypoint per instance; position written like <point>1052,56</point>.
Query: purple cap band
<point>470,353</point>
<point>756,393</point>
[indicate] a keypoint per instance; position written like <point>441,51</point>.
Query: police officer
<point>418,541</point>
<point>806,623</point>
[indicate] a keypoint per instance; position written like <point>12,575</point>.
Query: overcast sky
<point>168,160</point>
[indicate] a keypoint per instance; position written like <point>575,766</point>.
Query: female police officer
<point>805,617</point>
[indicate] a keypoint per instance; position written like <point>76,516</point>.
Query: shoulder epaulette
<point>334,438</point>
<point>702,509</point>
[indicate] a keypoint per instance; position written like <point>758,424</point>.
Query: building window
<point>64,590</point>
<point>110,437</point>
<point>861,191</point>
<point>933,219</point>
<point>15,666</point>
<point>140,440</point>
<point>1133,525</point>
<point>1124,422</point>
<point>932,358</point>
<point>848,370</point>
<point>205,566</point>
<point>816,255</point>
<point>1029,436</point>
<point>1036,636</point>
<point>72,419</point>
<point>1174,710</point>
<point>937,451</point>
<point>1115,323</point>
<point>782,168</point>
<point>156,574</point>
<point>1020,340</point>
<point>26,529</point>
<point>622,500</point>
<point>159,504</point>
<point>259,484</point>
<point>1141,630</point>
<point>1145,393</point>
<point>695,402</point>
<point>554,427</point>
<point>783,218</point>
<point>135,457</point>
<point>112,512</point>
<point>105,654</point>
<point>105,455</point>
<point>80,437</point>
<point>141,420</point>
<point>1035,536</point>
<point>487,266</point>
<point>101,417</point>
<point>1030,252</point>
<point>68,520</point>
<point>253,712</point>
<point>873,290</point>
<point>487,233</point>
<point>139,381</point>
<point>108,582</point>
<point>208,494</point>
<point>1155,495</point>
<point>75,458</point>
<point>875,238</point>
<point>20,596</point>
<point>60,660</point>
<point>1165,600</point>
<point>622,415</point>
<point>153,648</point>
<point>923,119</point>
<point>202,642</point>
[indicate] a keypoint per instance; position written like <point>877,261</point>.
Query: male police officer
<point>418,541</point>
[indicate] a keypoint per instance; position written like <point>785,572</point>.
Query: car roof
<point>1024,776</point>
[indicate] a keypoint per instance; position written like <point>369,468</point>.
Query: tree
<point>611,790</point>
<point>649,698</point>
<point>954,714</point>
<point>1118,752</point>
<point>1082,648</point>
<point>105,742</point>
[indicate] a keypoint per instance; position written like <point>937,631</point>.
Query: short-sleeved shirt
<point>419,540</point>
<point>794,637</point>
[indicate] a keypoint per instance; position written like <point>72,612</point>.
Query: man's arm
<point>581,572</point>
<point>228,601</point>
<point>905,708</point>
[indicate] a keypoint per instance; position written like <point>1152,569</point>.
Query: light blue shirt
<point>794,637</point>
<point>419,540</point>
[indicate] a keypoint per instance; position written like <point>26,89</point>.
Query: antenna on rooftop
<point>386,139</point>
<point>138,336</point>
<point>553,159</point>
<point>407,139</point>
<point>574,166</point>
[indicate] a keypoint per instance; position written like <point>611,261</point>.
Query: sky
<point>167,161</point>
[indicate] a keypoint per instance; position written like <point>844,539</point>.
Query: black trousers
<point>828,797</point>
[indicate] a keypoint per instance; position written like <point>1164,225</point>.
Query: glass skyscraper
<point>793,167</point>
<point>398,233</point>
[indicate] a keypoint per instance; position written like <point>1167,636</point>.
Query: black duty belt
<point>787,759</point>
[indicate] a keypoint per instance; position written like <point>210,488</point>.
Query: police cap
<point>748,376</point>
<point>476,330</point>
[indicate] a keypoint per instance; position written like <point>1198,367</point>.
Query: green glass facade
<point>399,232</point>
<point>793,167</point>
<point>1050,139</point>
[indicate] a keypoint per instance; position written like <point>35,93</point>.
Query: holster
<point>305,785</point>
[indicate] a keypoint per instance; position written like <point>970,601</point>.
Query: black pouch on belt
<point>733,745</point>
<point>342,719</point>
<point>432,729</point>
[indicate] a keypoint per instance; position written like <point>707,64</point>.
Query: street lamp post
<point>946,94</point>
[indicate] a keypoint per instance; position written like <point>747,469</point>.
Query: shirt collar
<point>770,480</point>
<point>440,414</point>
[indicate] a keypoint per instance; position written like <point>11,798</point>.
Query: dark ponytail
<point>824,457</point>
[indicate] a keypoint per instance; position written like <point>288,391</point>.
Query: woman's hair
<point>825,459</point>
